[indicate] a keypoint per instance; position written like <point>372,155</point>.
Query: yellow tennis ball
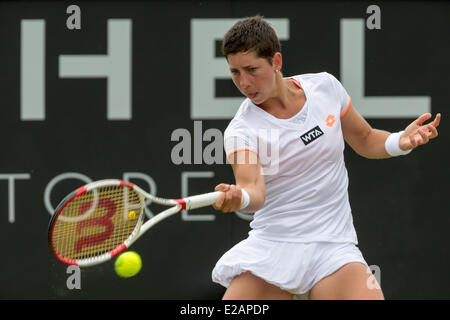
<point>128,264</point>
<point>131,215</point>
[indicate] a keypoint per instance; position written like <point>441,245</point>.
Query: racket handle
<point>201,200</point>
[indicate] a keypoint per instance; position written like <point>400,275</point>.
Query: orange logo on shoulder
<point>330,120</point>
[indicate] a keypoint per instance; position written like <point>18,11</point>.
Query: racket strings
<point>97,222</point>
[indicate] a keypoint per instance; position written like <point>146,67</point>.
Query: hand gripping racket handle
<point>201,200</point>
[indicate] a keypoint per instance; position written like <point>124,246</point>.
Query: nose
<point>243,81</point>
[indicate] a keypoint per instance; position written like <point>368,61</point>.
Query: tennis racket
<point>98,221</point>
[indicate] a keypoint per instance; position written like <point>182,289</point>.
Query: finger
<point>437,120</point>
<point>233,199</point>
<point>222,187</point>
<point>416,139</point>
<point>423,135</point>
<point>413,141</point>
<point>433,133</point>
<point>422,119</point>
<point>228,198</point>
<point>219,202</point>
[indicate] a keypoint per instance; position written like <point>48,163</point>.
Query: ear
<point>277,61</point>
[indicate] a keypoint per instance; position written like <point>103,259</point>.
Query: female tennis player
<point>302,238</point>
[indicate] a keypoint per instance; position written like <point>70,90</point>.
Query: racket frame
<point>177,205</point>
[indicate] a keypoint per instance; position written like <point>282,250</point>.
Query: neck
<point>282,96</point>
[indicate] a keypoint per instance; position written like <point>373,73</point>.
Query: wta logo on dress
<point>311,135</point>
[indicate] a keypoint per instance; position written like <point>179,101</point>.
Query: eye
<point>234,72</point>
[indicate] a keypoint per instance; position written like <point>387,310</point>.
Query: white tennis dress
<point>305,230</point>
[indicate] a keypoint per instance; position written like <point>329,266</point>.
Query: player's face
<point>253,76</point>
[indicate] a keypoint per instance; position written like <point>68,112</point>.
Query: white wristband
<point>246,199</point>
<point>392,145</point>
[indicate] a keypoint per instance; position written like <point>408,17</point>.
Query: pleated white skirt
<point>291,266</point>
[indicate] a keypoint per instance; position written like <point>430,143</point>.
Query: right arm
<point>248,175</point>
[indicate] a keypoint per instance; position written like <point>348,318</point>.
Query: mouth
<point>252,95</point>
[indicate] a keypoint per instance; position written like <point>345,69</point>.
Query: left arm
<point>370,143</point>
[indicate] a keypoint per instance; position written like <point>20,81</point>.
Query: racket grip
<point>201,200</point>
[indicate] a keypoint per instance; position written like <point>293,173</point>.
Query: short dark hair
<point>252,33</point>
